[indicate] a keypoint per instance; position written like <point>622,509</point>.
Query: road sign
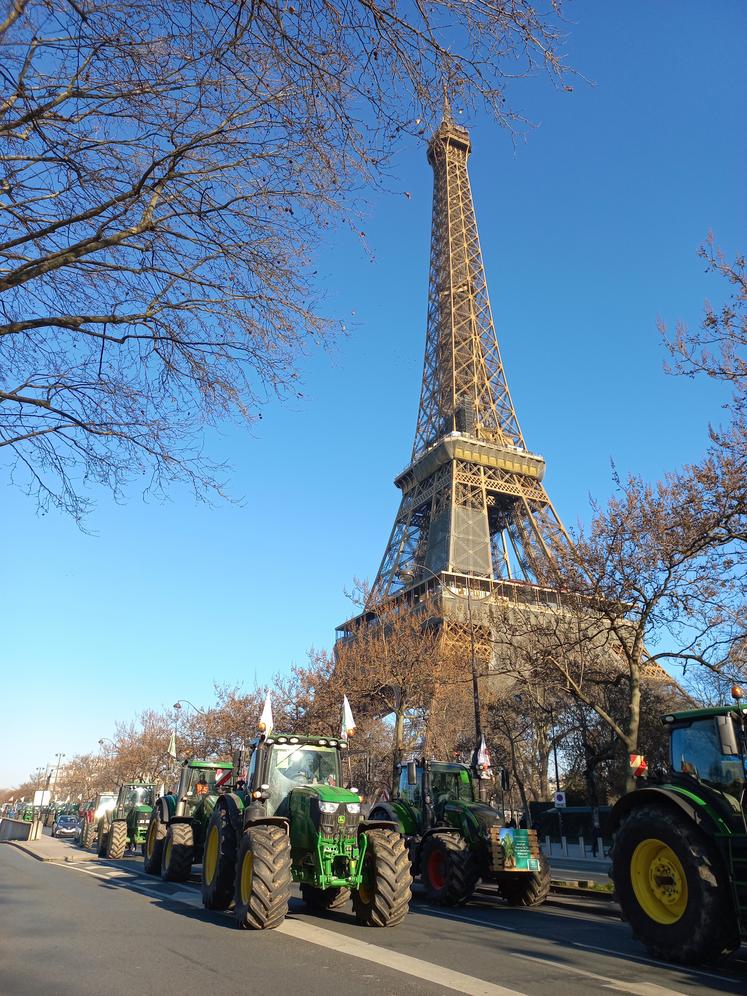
<point>560,800</point>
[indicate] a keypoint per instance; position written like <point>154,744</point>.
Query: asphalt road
<point>100,926</point>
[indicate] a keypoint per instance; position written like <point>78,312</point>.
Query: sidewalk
<point>51,849</point>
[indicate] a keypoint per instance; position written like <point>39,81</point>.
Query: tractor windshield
<point>303,764</point>
<point>451,786</point>
<point>138,795</point>
<point>698,751</point>
<point>201,781</point>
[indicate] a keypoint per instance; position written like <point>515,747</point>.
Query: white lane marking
<point>424,970</point>
<point>653,961</point>
<point>636,988</point>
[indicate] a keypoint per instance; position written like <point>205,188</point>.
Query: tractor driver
<point>202,787</point>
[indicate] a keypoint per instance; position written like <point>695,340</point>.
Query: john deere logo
<point>340,819</point>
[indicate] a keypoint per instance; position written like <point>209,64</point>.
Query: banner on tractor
<point>638,765</point>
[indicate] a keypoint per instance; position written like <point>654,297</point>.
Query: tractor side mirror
<point>412,773</point>
<point>727,735</point>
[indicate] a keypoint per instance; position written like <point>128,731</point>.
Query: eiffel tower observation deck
<point>474,512</point>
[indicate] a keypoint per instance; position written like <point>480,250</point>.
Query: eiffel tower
<point>473,505</point>
<point>475,527</point>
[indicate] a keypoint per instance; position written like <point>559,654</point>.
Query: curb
<point>73,858</point>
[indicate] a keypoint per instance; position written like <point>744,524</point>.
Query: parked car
<point>65,826</point>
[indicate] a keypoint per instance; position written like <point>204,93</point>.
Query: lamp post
<point>178,705</point>
<point>59,757</point>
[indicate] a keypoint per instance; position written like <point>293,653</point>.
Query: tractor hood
<point>327,793</point>
<point>481,816</point>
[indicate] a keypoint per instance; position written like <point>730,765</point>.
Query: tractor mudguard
<point>692,806</point>
<point>273,821</point>
<point>234,807</point>
<point>165,806</point>
<point>392,824</point>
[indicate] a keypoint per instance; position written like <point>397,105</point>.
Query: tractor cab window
<point>697,751</point>
<point>139,795</point>
<point>202,781</point>
<point>305,764</point>
<point>450,786</point>
<point>412,793</point>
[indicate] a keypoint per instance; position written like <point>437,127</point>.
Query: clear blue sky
<point>589,229</point>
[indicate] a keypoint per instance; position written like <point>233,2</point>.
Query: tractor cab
<point>133,795</point>
<point>439,792</point>
<point>279,764</point>
<point>199,779</point>
<point>708,748</point>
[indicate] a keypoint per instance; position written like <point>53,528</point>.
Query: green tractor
<point>176,832</point>
<point>455,840</point>
<point>126,825</point>
<point>293,822</point>
<point>679,856</point>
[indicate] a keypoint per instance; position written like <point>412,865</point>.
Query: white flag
<point>483,758</point>
<point>172,745</point>
<point>265,720</point>
<point>348,723</point>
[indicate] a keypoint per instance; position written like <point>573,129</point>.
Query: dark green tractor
<point>178,823</point>
<point>126,825</point>
<point>679,856</point>
<point>455,841</point>
<point>293,822</point>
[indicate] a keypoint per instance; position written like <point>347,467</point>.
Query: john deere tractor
<point>176,832</point>
<point>293,822</point>
<point>454,840</point>
<point>126,825</point>
<point>679,858</point>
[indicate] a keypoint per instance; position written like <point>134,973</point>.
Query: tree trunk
<point>398,741</point>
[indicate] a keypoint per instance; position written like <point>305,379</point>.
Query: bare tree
<point>166,170</point>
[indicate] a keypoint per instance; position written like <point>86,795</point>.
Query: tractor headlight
<point>329,807</point>
<point>354,807</point>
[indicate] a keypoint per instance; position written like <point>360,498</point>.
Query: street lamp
<point>59,757</point>
<point>178,705</point>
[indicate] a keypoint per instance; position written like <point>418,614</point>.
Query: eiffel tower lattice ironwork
<point>473,503</point>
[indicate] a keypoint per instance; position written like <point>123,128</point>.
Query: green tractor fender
<point>166,807</point>
<point>233,805</point>
<point>398,812</point>
<point>379,824</point>
<point>675,798</point>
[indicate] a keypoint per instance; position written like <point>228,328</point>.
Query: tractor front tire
<point>116,840</point>
<point>448,869</point>
<point>672,887</point>
<point>219,862</point>
<point>103,836</point>
<point>324,900</point>
<point>383,898</point>
<point>526,888</point>
<point>87,834</point>
<point>263,877</point>
<point>178,852</point>
<point>153,845</point>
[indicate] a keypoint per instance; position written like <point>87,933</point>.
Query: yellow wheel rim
<point>246,877</point>
<point>659,881</point>
<point>167,853</point>
<point>150,840</point>
<point>210,861</point>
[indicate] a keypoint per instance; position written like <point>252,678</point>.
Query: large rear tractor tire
<point>672,887</point>
<point>87,835</point>
<point>178,852</point>
<point>526,888</point>
<point>448,869</point>
<point>219,862</point>
<point>324,900</point>
<point>383,898</point>
<point>153,845</point>
<point>116,842</point>
<point>263,877</point>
